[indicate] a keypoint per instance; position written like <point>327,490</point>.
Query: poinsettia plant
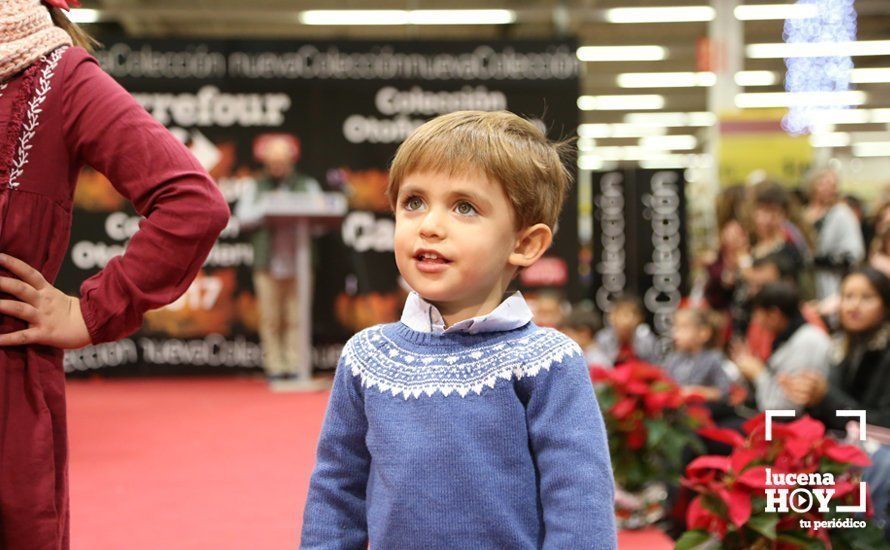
<point>731,511</point>
<point>649,420</point>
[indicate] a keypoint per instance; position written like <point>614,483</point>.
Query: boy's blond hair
<point>499,145</point>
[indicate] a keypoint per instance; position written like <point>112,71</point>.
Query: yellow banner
<point>753,140</point>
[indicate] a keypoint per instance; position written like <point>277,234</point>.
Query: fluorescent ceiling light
<point>798,99</point>
<point>821,128</point>
<point>872,149</point>
<point>621,53</point>
<point>461,17</point>
<point>870,76</point>
<point>82,15</point>
<point>619,130</point>
<point>756,78</point>
<point>842,116</point>
<point>852,116</point>
<point>407,17</point>
<point>620,102</point>
<point>672,119</point>
<point>836,139</point>
<point>354,17</point>
<point>775,11</point>
<point>586,144</point>
<point>666,80</point>
<point>679,142</point>
<point>780,50</point>
<point>880,115</point>
<point>590,162</point>
<point>667,162</point>
<point>674,14</point>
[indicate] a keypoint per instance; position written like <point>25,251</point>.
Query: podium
<point>306,213</point>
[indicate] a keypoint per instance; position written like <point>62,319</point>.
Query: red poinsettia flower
<point>636,438</point>
<point>700,415</point>
<point>723,435</point>
<point>699,517</point>
<point>797,447</point>
<point>845,454</point>
<point>62,4</point>
<point>623,408</point>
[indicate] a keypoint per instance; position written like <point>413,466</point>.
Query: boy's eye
<point>465,208</point>
<point>412,203</point>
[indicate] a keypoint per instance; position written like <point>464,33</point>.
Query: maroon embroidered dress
<point>59,114</point>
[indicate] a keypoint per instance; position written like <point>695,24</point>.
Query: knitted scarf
<point>26,33</point>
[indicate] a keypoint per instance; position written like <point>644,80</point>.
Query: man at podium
<point>275,248</point>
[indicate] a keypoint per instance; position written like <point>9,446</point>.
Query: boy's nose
<point>432,224</point>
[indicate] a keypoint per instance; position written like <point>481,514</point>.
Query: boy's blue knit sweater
<point>482,441</point>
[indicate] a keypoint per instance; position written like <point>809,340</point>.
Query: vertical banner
<point>349,104</point>
<point>639,241</point>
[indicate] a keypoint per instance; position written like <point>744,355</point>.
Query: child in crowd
<point>581,325</point>
<point>548,309</point>
<point>695,363</point>
<point>465,424</point>
<point>628,337</point>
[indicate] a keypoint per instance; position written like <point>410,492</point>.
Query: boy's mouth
<point>430,259</point>
<point>430,255</point>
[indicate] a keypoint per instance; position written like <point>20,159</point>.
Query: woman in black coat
<point>861,379</point>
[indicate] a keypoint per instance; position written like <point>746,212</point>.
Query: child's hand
<point>749,365</point>
<point>54,317</point>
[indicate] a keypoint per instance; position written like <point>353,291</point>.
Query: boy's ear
<point>531,243</point>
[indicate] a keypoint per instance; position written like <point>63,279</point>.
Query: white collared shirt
<point>423,316</point>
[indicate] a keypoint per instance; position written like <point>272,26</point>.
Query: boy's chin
<point>432,294</point>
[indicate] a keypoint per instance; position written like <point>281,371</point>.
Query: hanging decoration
<point>834,22</point>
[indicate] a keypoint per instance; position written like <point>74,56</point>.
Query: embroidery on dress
<point>3,88</point>
<point>32,120</point>
<point>380,363</point>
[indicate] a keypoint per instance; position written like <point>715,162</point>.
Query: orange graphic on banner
<point>208,306</point>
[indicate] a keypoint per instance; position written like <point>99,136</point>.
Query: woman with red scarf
<point>59,111</point>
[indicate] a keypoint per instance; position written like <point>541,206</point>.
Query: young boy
<point>695,363</point>
<point>628,337</point>
<point>582,325</point>
<point>465,425</point>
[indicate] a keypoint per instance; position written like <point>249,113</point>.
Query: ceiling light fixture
<point>672,14</point>
<point>620,102</point>
<point>621,53</point>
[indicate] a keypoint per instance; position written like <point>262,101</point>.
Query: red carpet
<point>197,464</point>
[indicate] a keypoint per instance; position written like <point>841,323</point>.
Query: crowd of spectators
<point>795,314</point>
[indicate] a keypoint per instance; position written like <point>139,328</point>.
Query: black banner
<point>639,243</point>
<point>349,104</point>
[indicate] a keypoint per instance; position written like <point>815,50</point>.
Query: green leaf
<point>657,432</point>
<point>764,524</point>
<point>697,444</point>
<point>692,539</point>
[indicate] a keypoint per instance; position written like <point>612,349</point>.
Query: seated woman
<point>861,378</point>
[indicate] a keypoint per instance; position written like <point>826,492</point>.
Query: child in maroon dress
<point>59,111</point>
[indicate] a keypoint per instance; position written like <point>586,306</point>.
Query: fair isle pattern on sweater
<point>381,362</point>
